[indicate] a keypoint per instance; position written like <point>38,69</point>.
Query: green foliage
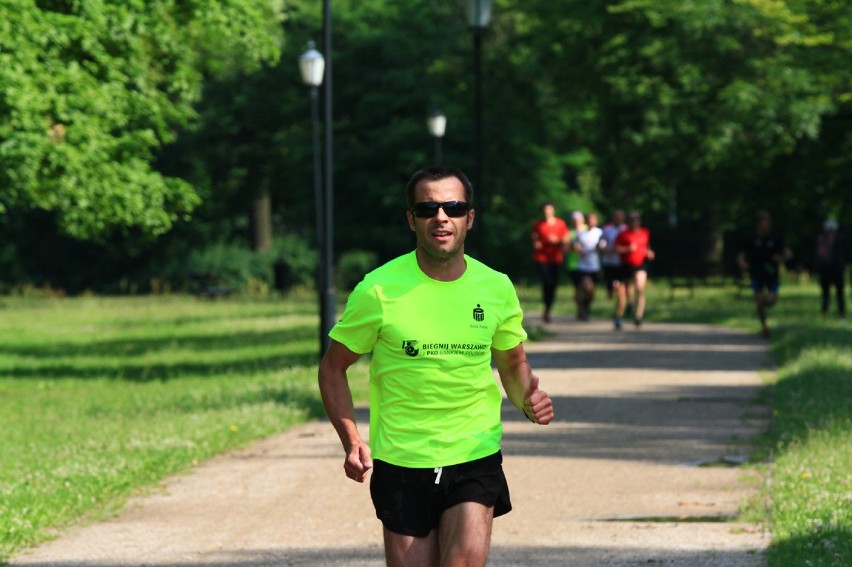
<point>710,110</point>
<point>91,89</point>
<point>235,266</point>
<point>229,265</point>
<point>301,259</point>
<point>353,266</point>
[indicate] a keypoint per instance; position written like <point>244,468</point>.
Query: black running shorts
<point>410,501</point>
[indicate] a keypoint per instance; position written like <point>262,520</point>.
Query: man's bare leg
<point>641,282</point>
<point>464,535</point>
<point>462,540</point>
<point>409,551</point>
<point>620,302</point>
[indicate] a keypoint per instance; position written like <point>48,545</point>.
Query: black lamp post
<point>328,302</point>
<point>478,14</point>
<point>312,68</point>
<point>437,124</point>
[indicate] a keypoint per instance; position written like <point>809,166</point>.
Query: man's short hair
<point>437,173</point>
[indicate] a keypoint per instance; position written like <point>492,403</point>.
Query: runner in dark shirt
<point>761,257</point>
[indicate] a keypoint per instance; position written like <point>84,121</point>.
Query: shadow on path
<point>500,557</point>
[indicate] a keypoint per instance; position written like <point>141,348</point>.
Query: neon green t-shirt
<point>434,401</point>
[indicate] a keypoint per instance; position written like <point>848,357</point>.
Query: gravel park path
<point>616,480</point>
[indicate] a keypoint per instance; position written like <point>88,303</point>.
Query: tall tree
<point>90,89</point>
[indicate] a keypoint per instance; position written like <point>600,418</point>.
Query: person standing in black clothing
<point>831,263</point>
<point>761,258</point>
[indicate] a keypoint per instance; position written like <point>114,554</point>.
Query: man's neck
<point>442,269</point>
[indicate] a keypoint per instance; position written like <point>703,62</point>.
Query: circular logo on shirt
<point>410,348</point>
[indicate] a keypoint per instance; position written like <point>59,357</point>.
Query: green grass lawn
<point>103,397</point>
<point>100,398</point>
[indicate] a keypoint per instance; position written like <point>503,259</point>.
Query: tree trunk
<point>262,220</point>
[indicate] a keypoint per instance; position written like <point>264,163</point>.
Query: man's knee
<point>465,534</point>
<point>404,551</point>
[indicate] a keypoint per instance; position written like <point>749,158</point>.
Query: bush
<point>352,266</point>
<point>234,266</point>
<point>301,260</point>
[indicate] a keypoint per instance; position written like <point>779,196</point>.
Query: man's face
<point>593,220</point>
<point>634,221</point>
<point>441,236</point>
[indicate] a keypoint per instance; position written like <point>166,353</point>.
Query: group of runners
<point>618,252</point>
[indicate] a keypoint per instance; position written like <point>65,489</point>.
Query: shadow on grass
<point>794,339</point>
<point>830,546</point>
<point>150,372</point>
<point>809,401</point>
<point>114,359</point>
<point>140,346</point>
<point>810,396</point>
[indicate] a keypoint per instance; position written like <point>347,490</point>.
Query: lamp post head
<point>478,13</point>
<point>437,123</point>
<point>312,66</point>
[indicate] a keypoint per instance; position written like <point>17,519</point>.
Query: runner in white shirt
<point>587,243</point>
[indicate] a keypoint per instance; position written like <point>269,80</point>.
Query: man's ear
<point>470,215</point>
<point>410,216</point>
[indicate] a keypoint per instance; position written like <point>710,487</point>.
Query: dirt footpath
<point>635,470</point>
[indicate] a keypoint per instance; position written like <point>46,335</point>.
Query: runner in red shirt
<point>550,236</point>
<point>633,245</point>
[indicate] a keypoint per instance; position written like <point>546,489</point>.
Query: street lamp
<point>437,124</point>
<point>312,68</point>
<point>478,14</point>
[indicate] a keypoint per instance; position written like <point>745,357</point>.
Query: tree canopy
<point>91,89</point>
<point>130,115</point>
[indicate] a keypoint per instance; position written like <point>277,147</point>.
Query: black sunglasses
<point>429,209</point>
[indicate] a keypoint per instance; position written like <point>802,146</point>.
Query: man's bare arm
<point>337,400</point>
<point>521,385</point>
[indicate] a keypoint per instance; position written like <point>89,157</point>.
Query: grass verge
<point>102,397</point>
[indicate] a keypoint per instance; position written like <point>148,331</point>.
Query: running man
<point>633,243</point>
<point>761,258</point>
<point>610,258</point>
<point>433,320</point>
<point>831,259</point>
<point>586,243</point>
<point>549,236</point>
